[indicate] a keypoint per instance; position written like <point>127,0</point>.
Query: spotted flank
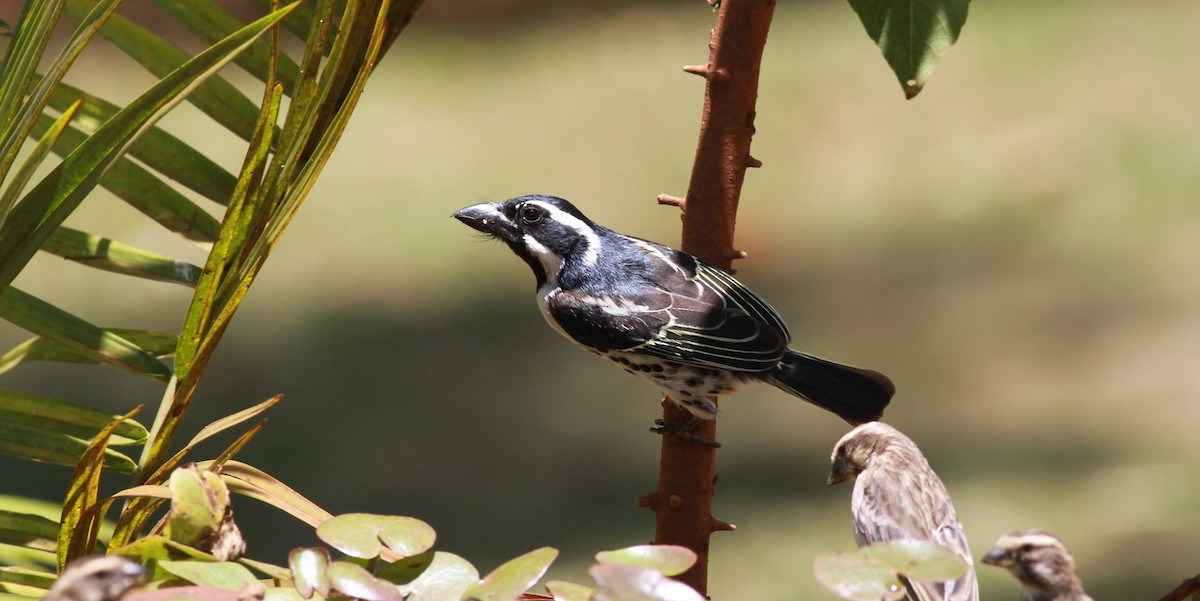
<point>690,387</point>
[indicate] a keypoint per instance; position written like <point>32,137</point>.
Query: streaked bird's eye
<point>531,214</point>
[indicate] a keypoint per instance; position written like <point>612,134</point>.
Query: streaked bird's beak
<point>997,557</point>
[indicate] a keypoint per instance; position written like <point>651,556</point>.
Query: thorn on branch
<point>667,199</point>
<point>752,162</point>
<point>647,501</point>
<point>716,525</point>
<point>718,75</point>
<point>736,254</point>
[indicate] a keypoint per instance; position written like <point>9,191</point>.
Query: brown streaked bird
<point>1041,562</point>
<point>96,578</point>
<point>897,496</point>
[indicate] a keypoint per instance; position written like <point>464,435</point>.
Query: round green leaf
<point>668,559</point>
<point>198,501</point>
<point>354,581</point>
<point>566,591</point>
<point>447,577</point>
<point>359,534</point>
<point>513,578</point>
<point>309,567</point>
<point>223,575</point>
<point>857,577</point>
<point>918,560</point>
<point>633,583</point>
<point>406,570</point>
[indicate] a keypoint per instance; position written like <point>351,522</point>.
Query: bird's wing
<point>681,310</point>
<point>909,502</point>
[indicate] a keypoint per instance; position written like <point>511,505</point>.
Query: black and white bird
<point>1041,563</point>
<point>898,496</point>
<point>689,328</point>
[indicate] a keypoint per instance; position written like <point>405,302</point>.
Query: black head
<point>545,231</point>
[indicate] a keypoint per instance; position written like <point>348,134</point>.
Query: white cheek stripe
<point>551,262</point>
<point>592,254</point>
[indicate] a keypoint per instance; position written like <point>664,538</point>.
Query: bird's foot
<point>684,431</point>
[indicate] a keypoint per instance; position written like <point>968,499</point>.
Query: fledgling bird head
<point>1041,562</point>
<point>854,452</point>
<point>545,231</point>
<point>100,578</point>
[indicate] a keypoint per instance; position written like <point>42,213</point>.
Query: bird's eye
<point>1027,547</point>
<point>531,215</point>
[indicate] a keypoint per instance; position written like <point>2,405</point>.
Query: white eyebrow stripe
<point>592,254</point>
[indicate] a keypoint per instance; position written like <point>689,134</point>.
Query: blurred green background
<point>1018,248</point>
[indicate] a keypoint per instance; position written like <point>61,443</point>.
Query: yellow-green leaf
<point>118,257</point>
<point>57,416</point>
<point>360,534</point>
<point>82,495</point>
<point>512,578</point>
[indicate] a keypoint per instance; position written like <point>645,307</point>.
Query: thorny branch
<point>687,474</point>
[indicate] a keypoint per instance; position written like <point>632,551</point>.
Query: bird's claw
<point>683,431</point>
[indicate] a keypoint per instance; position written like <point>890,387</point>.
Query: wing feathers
<point>671,305</point>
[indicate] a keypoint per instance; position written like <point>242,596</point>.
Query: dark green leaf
<point>211,23</point>
<point>50,322</point>
<point>912,34</point>
<point>28,530</point>
<point>25,577</point>
<point>216,97</point>
<point>58,449</point>
<point>19,70</point>
<point>48,139</point>
<point>143,191</point>
<point>407,569</point>
<point>45,207</point>
<point>156,148</point>
<point>159,344</point>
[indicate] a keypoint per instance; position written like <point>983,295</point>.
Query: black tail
<point>855,395</point>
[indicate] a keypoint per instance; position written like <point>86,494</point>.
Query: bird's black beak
<point>997,557</point>
<point>838,472</point>
<point>489,218</point>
